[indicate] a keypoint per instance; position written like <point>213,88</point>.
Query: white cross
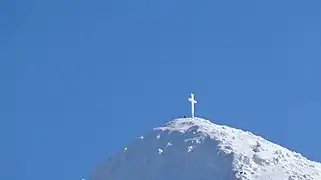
<point>193,101</point>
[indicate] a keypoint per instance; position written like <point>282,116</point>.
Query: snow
<point>197,149</point>
<point>160,151</point>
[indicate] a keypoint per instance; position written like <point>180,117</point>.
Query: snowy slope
<point>196,149</point>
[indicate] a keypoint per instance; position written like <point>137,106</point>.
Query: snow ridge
<point>197,149</point>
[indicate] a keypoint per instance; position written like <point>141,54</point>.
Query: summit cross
<point>193,102</point>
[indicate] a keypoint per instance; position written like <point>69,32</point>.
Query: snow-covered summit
<point>197,149</point>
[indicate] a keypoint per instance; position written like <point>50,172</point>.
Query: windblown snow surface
<point>196,149</point>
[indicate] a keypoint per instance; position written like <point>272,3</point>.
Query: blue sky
<point>81,79</point>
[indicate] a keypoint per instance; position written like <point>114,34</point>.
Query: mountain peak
<point>231,139</point>
<point>195,148</point>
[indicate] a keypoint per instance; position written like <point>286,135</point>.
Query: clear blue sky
<point>81,79</point>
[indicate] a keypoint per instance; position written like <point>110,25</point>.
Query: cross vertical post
<point>193,102</point>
